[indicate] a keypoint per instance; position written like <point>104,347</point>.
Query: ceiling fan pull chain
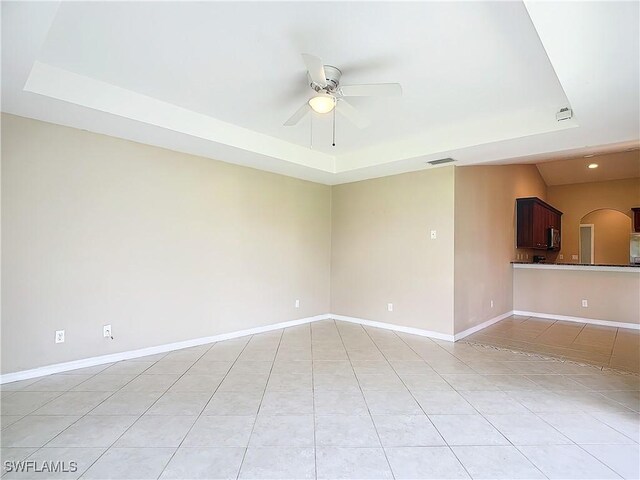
<point>334,127</point>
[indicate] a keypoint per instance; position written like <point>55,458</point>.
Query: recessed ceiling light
<point>593,165</point>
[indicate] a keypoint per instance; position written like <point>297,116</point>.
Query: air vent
<point>441,161</point>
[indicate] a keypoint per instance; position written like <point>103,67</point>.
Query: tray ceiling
<point>482,81</point>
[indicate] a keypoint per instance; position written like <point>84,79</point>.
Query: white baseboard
<point>491,321</point>
<point>567,318</point>
<point>395,328</point>
<point>117,357</point>
<point>421,332</point>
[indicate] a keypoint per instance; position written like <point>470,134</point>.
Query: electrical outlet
<point>585,304</point>
<point>574,257</point>
<point>59,336</point>
<point>561,257</point>
<point>390,307</point>
<point>434,234</point>
<point>297,303</point>
<point>491,303</point>
<point>106,331</point>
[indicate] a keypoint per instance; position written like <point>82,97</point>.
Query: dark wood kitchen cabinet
<point>636,219</point>
<point>534,218</point>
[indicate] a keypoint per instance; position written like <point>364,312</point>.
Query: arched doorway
<point>609,236</point>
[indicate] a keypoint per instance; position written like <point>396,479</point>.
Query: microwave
<point>553,240</point>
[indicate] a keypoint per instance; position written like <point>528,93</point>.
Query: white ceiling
<point>482,81</point>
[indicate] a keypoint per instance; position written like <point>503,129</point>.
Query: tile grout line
<point>275,356</point>
<point>538,416</point>
<point>363,395</point>
<point>612,343</point>
<point>88,412</point>
<point>613,347</point>
<point>141,415</point>
<point>544,330</point>
<point>61,393</point>
<point>484,417</point>
<point>418,403</point>
<point>581,447</point>
<point>205,405</point>
<point>313,400</point>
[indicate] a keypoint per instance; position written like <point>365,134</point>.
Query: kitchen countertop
<point>631,268</point>
<point>630,265</point>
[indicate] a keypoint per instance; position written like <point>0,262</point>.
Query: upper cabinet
<point>636,219</point>
<point>537,222</point>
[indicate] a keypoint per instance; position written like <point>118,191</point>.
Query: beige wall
<point>611,230</point>
<point>382,252</point>
<point>560,292</point>
<point>166,246</point>
<point>485,237</point>
<point>163,246</point>
<point>577,200</point>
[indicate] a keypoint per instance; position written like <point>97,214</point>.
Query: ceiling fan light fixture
<point>322,103</point>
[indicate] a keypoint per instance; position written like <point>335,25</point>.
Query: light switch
<point>434,234</point>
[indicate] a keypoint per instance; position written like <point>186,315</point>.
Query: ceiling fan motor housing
<point>333,75</point>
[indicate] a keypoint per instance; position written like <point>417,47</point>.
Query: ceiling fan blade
<point>315,67</point>
<point>350,113</point>
<point>372,90</point>
<point>299,115</point>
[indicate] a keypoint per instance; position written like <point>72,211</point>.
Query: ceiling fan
<point>330,95</point>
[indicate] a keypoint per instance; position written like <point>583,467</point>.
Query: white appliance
<point>634,248</point>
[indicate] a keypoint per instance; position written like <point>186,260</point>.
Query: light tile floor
<point>617,348</point>
<point>328,400</point>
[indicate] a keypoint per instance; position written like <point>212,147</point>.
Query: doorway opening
<point>586,243</point>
